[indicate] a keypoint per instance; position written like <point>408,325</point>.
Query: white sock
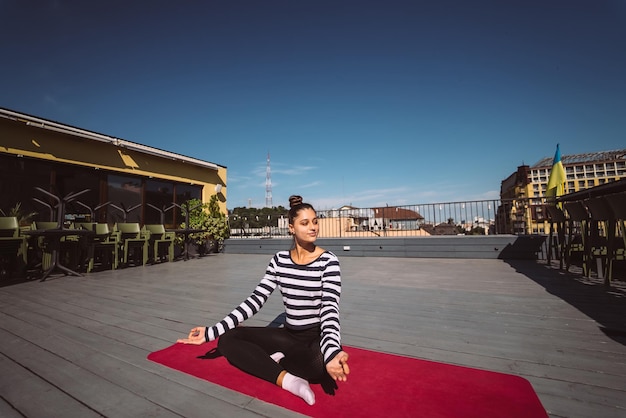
<point>277,356</point>
<point>299,387</point>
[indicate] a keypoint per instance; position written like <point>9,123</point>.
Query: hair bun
<point>295,200</point>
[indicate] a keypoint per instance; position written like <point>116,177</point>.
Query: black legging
<point>249,349</point>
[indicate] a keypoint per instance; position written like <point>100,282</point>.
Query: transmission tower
<point>268,184</point>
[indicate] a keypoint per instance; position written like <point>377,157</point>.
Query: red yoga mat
<point>379,385</point>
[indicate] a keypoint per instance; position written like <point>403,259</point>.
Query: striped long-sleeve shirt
<point>310,293</point>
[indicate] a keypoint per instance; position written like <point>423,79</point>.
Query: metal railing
<point>477,217</point>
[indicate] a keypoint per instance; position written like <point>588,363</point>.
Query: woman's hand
<point>196,336</point>
<point>338,368</point>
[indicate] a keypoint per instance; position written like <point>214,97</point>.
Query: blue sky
<point>358,102</point>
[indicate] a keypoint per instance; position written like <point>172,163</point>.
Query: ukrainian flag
<point>556,182</point>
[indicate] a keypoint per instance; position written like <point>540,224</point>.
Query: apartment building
<point>523,192</point>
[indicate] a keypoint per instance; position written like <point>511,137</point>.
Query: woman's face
<point>305,226</point>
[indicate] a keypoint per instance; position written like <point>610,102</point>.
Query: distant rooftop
<point>592,157</point>
<point>396,213</point>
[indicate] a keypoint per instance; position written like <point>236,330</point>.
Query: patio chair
<point>161,243</point>
<point>45,225</point>
<point>132,242</point>
<point>577,234</point>
<point>13,245</point>
<point>103,247</point>
<point>40,248</point>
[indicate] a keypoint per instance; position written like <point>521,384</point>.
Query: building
<point>396,218</point>
<point>374,222</point>
<point>118,180</point>
<point>523,192</point>
<point>583,171</point>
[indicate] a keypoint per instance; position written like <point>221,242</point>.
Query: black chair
<point>617,203</point>
<point>577,234</point>
<point>558,221</point>
<point>601,235</point>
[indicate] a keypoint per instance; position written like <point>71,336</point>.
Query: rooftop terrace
<point>77,346</point>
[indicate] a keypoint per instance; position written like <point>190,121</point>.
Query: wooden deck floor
<point>77,346</point>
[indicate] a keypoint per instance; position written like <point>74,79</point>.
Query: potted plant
<point>209,218</point>
<point>24,219</point>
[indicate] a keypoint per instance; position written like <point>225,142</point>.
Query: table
<point>54,237</point>
<point>186,232</point>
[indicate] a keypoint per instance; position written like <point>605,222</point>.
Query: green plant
<point>209,218</point>
<point>22,217</point>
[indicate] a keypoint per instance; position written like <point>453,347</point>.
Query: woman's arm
<point>329,313</point>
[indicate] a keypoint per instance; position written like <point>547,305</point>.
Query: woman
<point>309,346</point>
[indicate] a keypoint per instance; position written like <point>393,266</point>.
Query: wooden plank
<point>7,410</point>
<point>25,393</point>
<point>100,397</point>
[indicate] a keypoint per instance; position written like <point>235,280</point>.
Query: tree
<point>257,218</point>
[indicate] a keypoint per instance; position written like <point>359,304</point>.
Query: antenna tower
<point>268,184</point>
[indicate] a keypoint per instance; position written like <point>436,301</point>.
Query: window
<point>185,192</point>
<point>159,197</point>
<point>23,174</point>
<point>125,195</point>
<point>86,181</point>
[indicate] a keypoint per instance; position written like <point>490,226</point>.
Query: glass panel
<point>185,192</point>
<point>74,179</point>
<point>159,194</point>
<point>124,193</point>
<point>27,175</point>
